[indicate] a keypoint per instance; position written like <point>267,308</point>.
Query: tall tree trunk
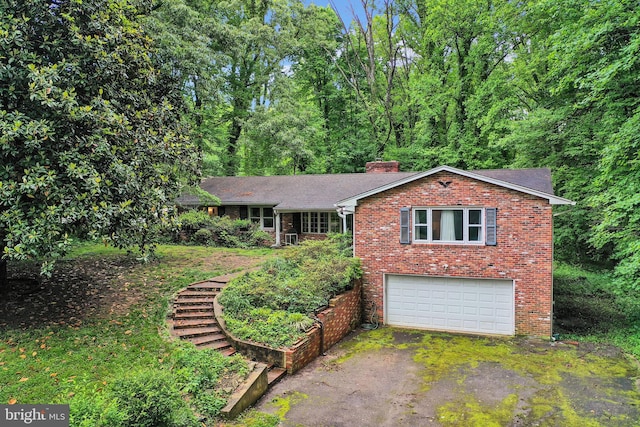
<point>231,163</point>
<point>4,278</point>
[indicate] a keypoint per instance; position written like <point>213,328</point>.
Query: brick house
<point>444,249</point>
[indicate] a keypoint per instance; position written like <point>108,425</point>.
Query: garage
<point>483,306</point>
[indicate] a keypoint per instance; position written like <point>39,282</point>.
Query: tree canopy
<point>89,115</point>
<point>91,135</point>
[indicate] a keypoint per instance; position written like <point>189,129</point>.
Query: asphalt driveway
<point>396,377</point>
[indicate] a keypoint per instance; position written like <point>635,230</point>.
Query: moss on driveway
<point>391,377</point>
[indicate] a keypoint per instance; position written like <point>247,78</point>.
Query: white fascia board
<point>351,202</point>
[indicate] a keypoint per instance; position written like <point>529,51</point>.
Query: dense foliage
<point>197,227</point>
<point>92,141</point>
<point>589,306</point>
<point>276,304</point>
<point>281,88</point>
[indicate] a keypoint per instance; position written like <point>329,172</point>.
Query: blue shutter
<point>405,235</point>
<point>491,230</point>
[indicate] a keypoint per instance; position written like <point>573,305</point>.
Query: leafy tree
<point>279,136</point>
<point>91,141</point>
<point>191,40</point>
<point>599,57</point>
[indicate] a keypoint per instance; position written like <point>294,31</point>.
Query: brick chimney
<point>382,167</point>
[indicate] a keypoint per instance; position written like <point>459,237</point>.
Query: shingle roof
<point>293,192</point>
<point>535,179</point>
<point>322,192</point>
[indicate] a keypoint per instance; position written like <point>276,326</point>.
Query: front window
<point>321,222</point>
<point>262,216</point>
<point>454,225</point>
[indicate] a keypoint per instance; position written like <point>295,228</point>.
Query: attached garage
<point>482,306</point>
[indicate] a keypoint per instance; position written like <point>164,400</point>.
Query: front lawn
<point>94,336</point>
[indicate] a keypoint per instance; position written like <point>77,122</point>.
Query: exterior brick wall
<point>304,352</point>
<point>524,250</point>
<point>342,316</point>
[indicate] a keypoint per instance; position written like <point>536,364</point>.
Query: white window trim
<point>465,225</point>
<point>333,222</point>
<point>262,216</point>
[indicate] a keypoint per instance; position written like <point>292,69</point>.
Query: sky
<point>345,8</point>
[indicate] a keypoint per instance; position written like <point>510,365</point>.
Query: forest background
<point>275,87</point>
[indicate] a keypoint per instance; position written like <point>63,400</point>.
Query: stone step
<point>192,323</point>
<point>194,319</point>
<point>275,374</point>
<point>216,345</point>
<point>218,286</point>
<point>209,339</point>
<point>186,333</point>
<point>197,294</point>
<point>194,315</point>
<point>183,308</point>
<point>229,351</point>
<point>194,300</point>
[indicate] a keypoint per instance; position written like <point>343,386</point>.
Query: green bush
<point>197,227</point>
<point>200,372</point>
<point>195,220</point>
<point>274,306</point>
<point>203,237</point>
<point>148,399</point>
<point>589,306</point>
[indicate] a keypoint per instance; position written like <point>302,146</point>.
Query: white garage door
<point>450,304</point>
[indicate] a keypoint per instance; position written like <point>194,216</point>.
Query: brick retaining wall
<point>343,315</point>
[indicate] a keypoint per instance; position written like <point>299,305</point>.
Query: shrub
<point>195,220</point>
<point>275,305</point>
<point>197,227</point>
<point>201,371</point>
<point>203,236</point>
<point>148,399</point>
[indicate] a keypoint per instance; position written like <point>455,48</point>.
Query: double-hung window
<point>262,216</point>
<point>448,225</point>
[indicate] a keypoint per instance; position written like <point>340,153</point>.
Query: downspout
<point>342,214</point>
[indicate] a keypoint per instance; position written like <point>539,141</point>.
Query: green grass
<point>589,307</point>
<point>86,365</point>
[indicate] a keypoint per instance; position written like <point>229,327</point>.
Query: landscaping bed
<point>277,305</point>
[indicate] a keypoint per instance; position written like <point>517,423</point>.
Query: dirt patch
<point>93,288</point>
<point>77,290</point>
